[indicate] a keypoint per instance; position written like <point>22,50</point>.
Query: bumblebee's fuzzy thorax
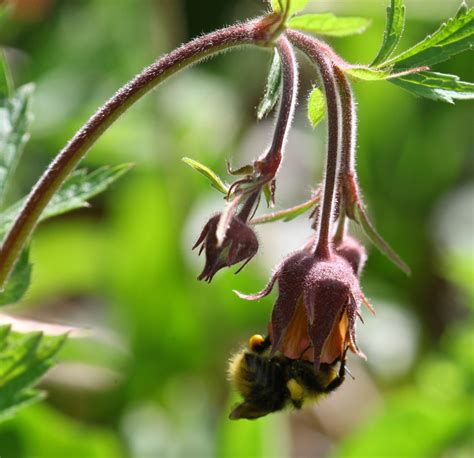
<point>269,384</point>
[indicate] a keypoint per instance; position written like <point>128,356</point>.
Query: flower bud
<point>240,244</point>
<point>353,252</point>
<point>315,314</point>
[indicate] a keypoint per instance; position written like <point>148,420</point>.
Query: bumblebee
<point>269,384</point>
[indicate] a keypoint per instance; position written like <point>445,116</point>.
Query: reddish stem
<point>347,176</point>
<point>313,49</point>
<point>257,32</point>
<point>249,206</point>
<point>270,162</point>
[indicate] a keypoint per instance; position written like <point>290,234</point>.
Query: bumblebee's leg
<point>304,351</point>
<point>337,382</point>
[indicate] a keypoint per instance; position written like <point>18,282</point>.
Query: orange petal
<point>336,342</point>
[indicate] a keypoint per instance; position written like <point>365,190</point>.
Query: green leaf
<point>19,401</point>
<point>316,106</point>
<point>436,86</point>
<point>393,31</point>
<point>18,282</point>
<point>215,180</point>
<point>15,118</point>
<point>76,191</point>
<point>6,84</point>
<point>452,37</point>
<point>363,219</point>
<point>247,169</point>
<point>267,192</point>
<point>82,186</point>
<point>328,24</point>
<point>295,6</point>
<point>24,359</point>
<point>272,89</point>
<point>368,74</point>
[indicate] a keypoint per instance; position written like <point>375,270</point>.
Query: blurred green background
<point>150,380</point>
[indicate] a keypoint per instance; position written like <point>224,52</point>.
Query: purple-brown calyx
<point>240,244</point>
<point>353,252</point>
<point>269,163</point>
<point>227,238</point>
<point>319,295</point>
<point>314,317</point>
<point>265,168</point>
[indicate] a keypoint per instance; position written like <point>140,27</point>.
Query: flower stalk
<point>269,163</point>
<point>324,66</point>
<point>350,198</point>
<point>227,237</point>
<point>349,188</point>
<point>257,32</point>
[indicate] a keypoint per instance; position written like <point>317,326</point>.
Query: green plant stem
<point>314,51</point>
<point>258,32</point>
<point>288,213</point>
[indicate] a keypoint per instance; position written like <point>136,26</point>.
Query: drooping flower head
<point>227,237</point>
<point>240,244</point>
<point>314,317</point>
<point>353,252</point>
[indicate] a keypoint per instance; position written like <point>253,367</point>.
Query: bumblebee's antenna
<point>349,372</point>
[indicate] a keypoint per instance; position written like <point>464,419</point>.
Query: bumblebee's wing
<point>249,411</point>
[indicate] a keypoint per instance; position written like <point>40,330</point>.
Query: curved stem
<point>270,161</point>
<point>347,176</point>
<point>351,199</point>
<point>312,48</point>
<point>348,188</point>
<point>257,32</point>
<point>267,164</point>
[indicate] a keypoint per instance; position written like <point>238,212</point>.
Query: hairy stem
<point>273,157</point>
<point>348,189</point>
<point>347,175</point>
<point>351,203</point>
<point>257,32</point>
<point>313,49</point>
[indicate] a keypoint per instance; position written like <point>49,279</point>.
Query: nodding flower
<point>239,244</point>
<point>353,252</point>
<point>314,316</point>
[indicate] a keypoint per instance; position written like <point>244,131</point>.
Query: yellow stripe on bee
<point>236,374</point>
<point>296,390</point>
<point>235,364</point>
